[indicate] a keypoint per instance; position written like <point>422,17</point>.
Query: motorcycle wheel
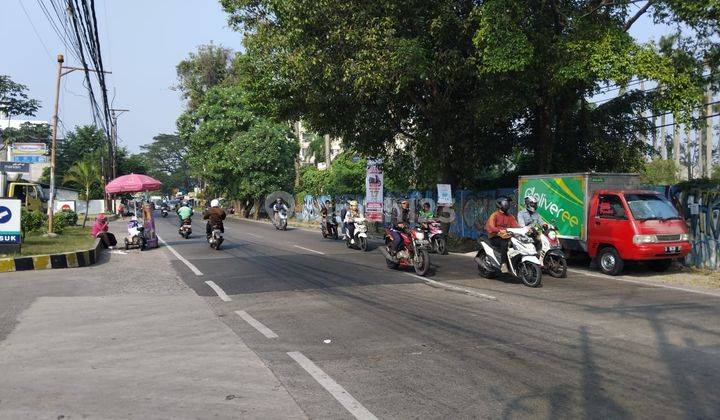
<point>362,243</point>
<point>556,266</point>
<point>334,233</point>
<point>441,246</point>
<point>482,271</point>
<point>421,263</point>
<point>347,242</point>
<point>530,274</point>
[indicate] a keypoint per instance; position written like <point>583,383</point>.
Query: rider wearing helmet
<point>498,223</point>
<point>400,221</point>
<point>349,219</point>
<point>184,212</point>
<point>529,216</point>
<point>214,216</point>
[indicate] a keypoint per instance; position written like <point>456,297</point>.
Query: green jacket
<point>184,212</point>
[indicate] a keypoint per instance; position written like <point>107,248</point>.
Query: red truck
<point>610,217</point>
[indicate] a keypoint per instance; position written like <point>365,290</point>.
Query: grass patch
<point>74,238</point>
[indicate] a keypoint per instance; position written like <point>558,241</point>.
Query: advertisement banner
<point>374,191</point>
<point>561,202</point>
<point>444,194</point>
<point>28,152</point>
<point>9,221</point>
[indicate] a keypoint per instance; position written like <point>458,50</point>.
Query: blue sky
<point>142,42</point>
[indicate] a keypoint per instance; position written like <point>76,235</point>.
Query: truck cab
<point>634,225</point>
<point>29,193</point>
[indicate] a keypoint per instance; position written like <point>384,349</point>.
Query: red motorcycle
<point>413,252</point>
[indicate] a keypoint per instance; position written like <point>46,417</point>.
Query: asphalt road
<point>349,337</point>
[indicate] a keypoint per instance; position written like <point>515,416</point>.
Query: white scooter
<point>136,238</point>
<point>359,240</point>
<point>522,258</point>
<point>280,221</point>
<point>216,238</point>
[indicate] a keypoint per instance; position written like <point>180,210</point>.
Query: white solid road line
<point>452,287</point>
<point>181,258</point>
<point>252,234</point>
<point>338,392</point>
<point>642,283</point>
<point>220,292</point>
<point>267,332</point>
<point>308,249</point>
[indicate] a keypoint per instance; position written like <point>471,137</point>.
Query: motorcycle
<point>164,212</point>
<point>280,220</point>
<point>550,250</point>
<point>522,258</point>
<point>359,240</point>
<point>414,251</point>
<point>216,238</point>
<point>136,238</point>
<point>434,234</point>
<point>329,227</point>
<point>186,229</point>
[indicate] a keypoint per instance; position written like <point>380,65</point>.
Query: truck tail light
<point>644,239</point>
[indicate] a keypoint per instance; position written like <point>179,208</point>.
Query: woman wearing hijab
<point>100,230</point>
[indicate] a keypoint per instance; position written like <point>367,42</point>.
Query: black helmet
<point>278,200</point>
<point>531,204</point>
<point>503,204</point>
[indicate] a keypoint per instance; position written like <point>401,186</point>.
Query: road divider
<point>190,265</point>
<point>338,392</point>
<point>219,291</point>
<point>267,332</point>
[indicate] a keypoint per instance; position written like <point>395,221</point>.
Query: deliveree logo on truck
<point>560,201</point>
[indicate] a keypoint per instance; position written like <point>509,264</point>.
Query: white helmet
<point>215,203</point>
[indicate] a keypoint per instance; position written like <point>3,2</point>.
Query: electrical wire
<point>37,34</point>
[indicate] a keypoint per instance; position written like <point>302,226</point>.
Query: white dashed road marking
<point>181,258</point>
<point>220,292</point>
<point>308,249</point>
<point>338,392</point>
<point>267,332</point>
<point>452,287</point>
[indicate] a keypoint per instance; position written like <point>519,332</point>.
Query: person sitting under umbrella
<point>100,230</point>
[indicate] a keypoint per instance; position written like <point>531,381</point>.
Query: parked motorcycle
<point>522,257</point>
<point>359,240</point>
<point>164,212</point>
<point>329,227</point>
<point>216,238</point>
<point>280,219</point>
<point>185,229</point>
<point>550,250</point>
<point>413,253</point>
<point>434,234</point>
<point>136,238</point>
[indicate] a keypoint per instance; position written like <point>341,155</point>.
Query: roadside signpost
<point>9,225</point>
<point>21,167</point>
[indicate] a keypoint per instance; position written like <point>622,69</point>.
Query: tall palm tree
<point>84,175</point>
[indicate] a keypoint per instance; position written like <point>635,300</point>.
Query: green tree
<point>84,175</point>
<point>659,172</point>
<point>14,100</point>
<point>84,143</point>
<point>167,161</point>
<point>201,71</point>
<point>28,132</point>
<point>467,85</point>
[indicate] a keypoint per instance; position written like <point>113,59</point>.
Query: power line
<point>37,34</point>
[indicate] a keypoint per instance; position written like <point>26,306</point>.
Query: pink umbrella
<point>132,183</point>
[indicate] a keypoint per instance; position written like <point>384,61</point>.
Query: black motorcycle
<point>329,227</point>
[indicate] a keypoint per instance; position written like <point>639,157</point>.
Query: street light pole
<point>51,201</point>
<point>114,114</point>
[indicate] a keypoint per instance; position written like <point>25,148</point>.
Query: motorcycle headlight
<point>552,235</point>
<point>644,239</point>
<point>419,236</point>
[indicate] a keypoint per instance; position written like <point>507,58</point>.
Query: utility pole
<point>60,74</point>
<point>327,151</point>
<point>708,133</point>
<point>113,133</point>
<point>676,144</point>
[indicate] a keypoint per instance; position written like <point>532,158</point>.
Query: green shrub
<point>31,221</point>
<point>65,218</point>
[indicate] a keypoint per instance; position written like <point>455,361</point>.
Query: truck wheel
<point>660,265</point>
<point>610,262</point>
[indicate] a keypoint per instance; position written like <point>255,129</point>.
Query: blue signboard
<point>9,221</point>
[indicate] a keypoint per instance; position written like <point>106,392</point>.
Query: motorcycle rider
<point>278,206</point>
<point>497,225</point>
<point>184,212</point>
<point>349,220</point>
<point>400,220</point>
<point>529,216</point>
<point>214,216</point>
<point>328,212</point>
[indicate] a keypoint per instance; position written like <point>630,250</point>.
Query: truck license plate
<point>672,249</point>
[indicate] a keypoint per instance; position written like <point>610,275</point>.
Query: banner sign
<point>9,221</point>
<point>444,194</point>
<point>15,167</point>
<point>29,152</point>
<point>374,191</point>
<point>561,202</point>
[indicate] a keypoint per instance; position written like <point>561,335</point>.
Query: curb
<point>82,258</point>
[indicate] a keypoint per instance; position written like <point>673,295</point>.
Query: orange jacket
<point>499,221</point>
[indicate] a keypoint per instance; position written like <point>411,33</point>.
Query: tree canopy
<point>470,88</point>
<point>14,100</point>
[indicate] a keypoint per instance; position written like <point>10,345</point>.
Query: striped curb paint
<point>42,262</point>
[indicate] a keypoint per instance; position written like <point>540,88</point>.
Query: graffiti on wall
<point>701,210</point>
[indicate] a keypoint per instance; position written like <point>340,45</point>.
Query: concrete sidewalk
<point>126,339</point>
